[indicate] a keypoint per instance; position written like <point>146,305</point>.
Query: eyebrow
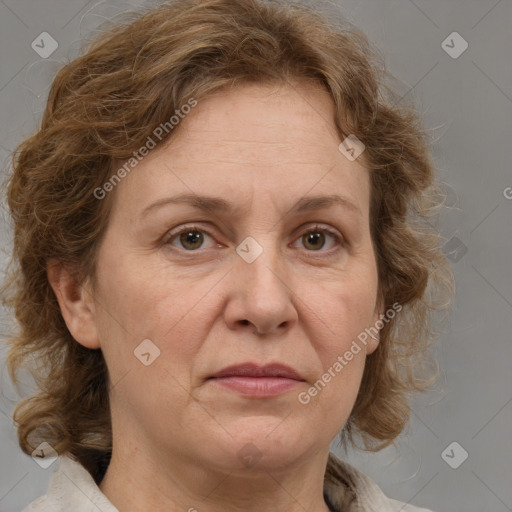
<point>211,203</point>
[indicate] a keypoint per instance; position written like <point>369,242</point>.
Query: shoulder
<point>38,505</point>
<point>348,489</point>
<point>71,488</point>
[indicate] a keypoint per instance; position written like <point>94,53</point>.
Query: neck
<point>139,481</point>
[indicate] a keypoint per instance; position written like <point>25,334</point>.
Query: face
<point>270,278</point>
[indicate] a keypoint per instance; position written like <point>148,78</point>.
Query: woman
<point>221,260</point>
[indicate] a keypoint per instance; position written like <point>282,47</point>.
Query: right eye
<point>190,238</point>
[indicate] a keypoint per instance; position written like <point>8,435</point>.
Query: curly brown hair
<point>101,108</point>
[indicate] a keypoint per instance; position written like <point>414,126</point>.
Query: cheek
<point>345,308</point>
<point>346,311</point>
<point>135,294</point>
<point>144,306</point>
<point>140,302</point>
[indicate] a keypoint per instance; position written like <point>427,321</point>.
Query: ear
<point>374,339</point>
<point>76,304</point>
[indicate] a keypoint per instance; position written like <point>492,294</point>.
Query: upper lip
<point>255,370</point>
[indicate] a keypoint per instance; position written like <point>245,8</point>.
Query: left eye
<point>315,238</point>
<point>192,238</point>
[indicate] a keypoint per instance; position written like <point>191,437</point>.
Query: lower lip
<point>258,386</point>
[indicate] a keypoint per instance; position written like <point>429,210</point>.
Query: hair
<point>105,103</point>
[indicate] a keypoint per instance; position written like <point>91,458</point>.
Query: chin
<point>264,443</point>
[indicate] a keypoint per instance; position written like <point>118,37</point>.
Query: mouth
<point>258,381</point>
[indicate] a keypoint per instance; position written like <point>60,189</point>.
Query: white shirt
<point>346,489</point>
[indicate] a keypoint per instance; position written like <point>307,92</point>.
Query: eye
<point>314,239</point>
<point>190,238</point>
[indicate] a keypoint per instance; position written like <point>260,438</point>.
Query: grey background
<point>468,100</point>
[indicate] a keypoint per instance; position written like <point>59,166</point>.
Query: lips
<point>257,382</point>
<point>276,370</point>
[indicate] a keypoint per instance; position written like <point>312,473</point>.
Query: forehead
<point>264,141</point>
<point>262,118</point>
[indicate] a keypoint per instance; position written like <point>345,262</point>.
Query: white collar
<point>346,488</point>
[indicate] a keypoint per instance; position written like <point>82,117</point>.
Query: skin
<point>177,435</point>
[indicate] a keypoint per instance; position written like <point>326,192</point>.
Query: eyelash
<point>315,229</point>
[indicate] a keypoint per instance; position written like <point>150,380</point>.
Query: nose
<point>261,294</point>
